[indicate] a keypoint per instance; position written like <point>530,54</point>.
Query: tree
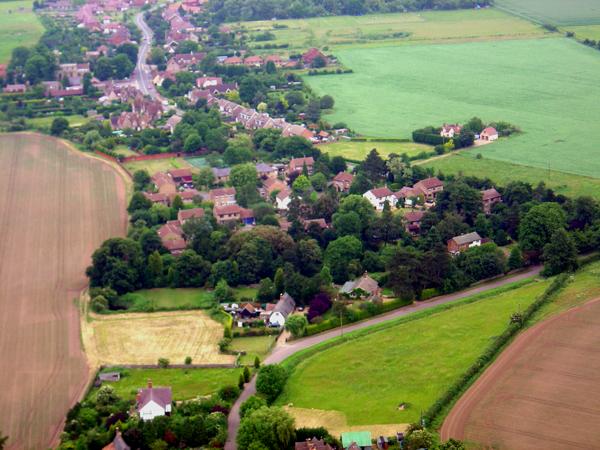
<point>99,304</point>
<point>141,178</point>
<point>249,87</point>
<point>319,305</point>
<point>238,152</point>
<point>359,205</point>
<point>187,47</point>
<point>59,126</point>
<point>177,203</point>
<point>451,444</point>
<point>482,262</point>
<point>103,68</point>
<point>296,325</point>
<point>121,65</point>
<point>256,362</point>
<point>130,50</point>
<point>215,140</point>
<point>310,256</point>
<point>346,224</point>
<point>3,440</point>
<point>475,125</point>
<point>313,110</point>
<point>278,282</point>
<point>270,381</point>
<point>91,138</point>
<point>246,374</point>
<point>419,439</point>
<point>192,143</point>
<point>223,293</point>
<point>205,178</point>
<point>339,255</point>
<point>301,184</point>
<point>266,428</point>
<point>157,56</point>
<point>242,175</point>
<point>117,264</point>
<point>163,363</point>
<point>560,254</point>
<point>373,166</point>
<point>106,395</point>
<point>515,260</point>
<point>327,102</point>
<point>138,201</point>
<point>190,270</point>
<point>405,278</point>
<point>539,224</point>
<point>265,290</point>
<point>252,404</point>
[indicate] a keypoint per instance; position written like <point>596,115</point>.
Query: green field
<point>185,383</point>
<point>356,150</point>
<point>378,29</point>
<point>253,346</point>
<point>395,90</point>
<point>18,26</point>
<point>586,31</point>
<point>74,120</point>
<point>159,165</point>
<point>123,150</point>
<point>502,172</point>
<point>411,362</point>
<point>559,12</point>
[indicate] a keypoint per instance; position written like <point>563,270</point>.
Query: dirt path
<point>542,392</point>
<point>284,350</point>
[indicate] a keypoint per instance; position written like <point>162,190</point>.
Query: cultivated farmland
<point>411,362</point>
<point>558,12</point>
<point>18,26</point>
<point>56,206</point>
<point>517,81</point>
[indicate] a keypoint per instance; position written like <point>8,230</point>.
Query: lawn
<point>395,90</point>
<point>378,29</point>
<point>253,346</point>
<point>185,383</point>
<point>74,120</point>
<point>411,361</point>
<point>559,12</point>
<point>503,172</point>
<point>356,150</point>
<point>123,150</point>
<point>19,26</point>
<point>159,165</point>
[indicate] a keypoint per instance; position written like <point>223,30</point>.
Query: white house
<point>377,197</point>
<point>489,134</point>
<point>284,307</point>
<point>449,131</point>
<point>283,199</point>
<point>153,402</point>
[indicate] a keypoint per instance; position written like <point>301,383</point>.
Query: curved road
<point>284,350</point>
<point>142,71</point>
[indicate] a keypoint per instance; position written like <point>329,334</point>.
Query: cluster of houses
<point>273,314</point>
<point>180,28</point>
<point>94,15</point>
<point>488,134</point>
<point>144,111</point>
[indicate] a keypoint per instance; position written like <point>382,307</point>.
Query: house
<point>283,199</point>
<point>164,183</point>
<point>233,61</point>
<point>342,181</point>
<point>3,68</point>
<point>206,82</point>
<point>233,213</point>
<point>248,311</point>
<point>221,174</point>
<point>247,216</point>
<point>266,171</point>
<point>413,221</point>
<point>429,187</point>
<point>271,185</point>
<point>284,307</point>
<point>406,196</point>
<point>189,196</point>
<point>297,165</point>
<point>489,198</point>
<point>187,214</point>
<point>449,131</point>
<point>312,444</point>
<point>378,196</point>
<point>14,89</point>
<point>463,242</point>
<point>222,196</point>
<point>172,122</point>
<point>357,440</point>
<point>153,402</point>
<point>171,236</point>
<point>182,177</point>
<point>275,59</point>
<point>118,443</point>
<point>255,61</point>
<point>363,287</point>
<point>489,134</point>
<point>160,198</point>
<point>311,55</point>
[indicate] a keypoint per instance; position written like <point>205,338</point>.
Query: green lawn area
<point>502,172</point>
<point>74,120</point>
<point>378,29</point>
<point>395,90</point>
<point>185,383</point>
<point>19,26</point>
<point>253,346</point>
<point>125,151</point>
<point>159,165</point>
<point>559,12</point>
<point>357,151</point>
<point>412,361</point>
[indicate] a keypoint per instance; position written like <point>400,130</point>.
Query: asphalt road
<point>142,71</point>
<point>284,349</point>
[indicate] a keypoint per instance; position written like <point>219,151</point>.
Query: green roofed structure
<point>360,439</point>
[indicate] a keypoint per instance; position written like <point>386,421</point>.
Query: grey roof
<point>109,376</point>
<point>160,395</point>
<point>467,238</point>
<point>221,172</point>
<point>262,167</point>
<point>365,283</point>
<point>118,443</point>
<point>285,305</point>
<point>347,287</point>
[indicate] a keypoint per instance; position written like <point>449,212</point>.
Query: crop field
<point>356,150</point>
<point>415,86</point>
<point>159,165</point>
<point>557,12</point>
<point>391,29</point>
<point>186,384</point>
<point>411,362</point>
<point>142,338</point>
<point>18,26</point>
<point>501,172</point>
<point>56,206</point>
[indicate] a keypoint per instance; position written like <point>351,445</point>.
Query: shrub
<point>246,374</point>
<point>270,381</point>
<point>252,404</point>
<point>256,362</point>
<point>163,363</point>
<point>188,360</point>
<point>229,393</point>
<point>99,304</point>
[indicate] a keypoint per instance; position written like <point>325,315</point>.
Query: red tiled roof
<point>227,210</point>
<point>489,131</point>
<point>414,216</point>
<point>489,194</point>
<point>186,214</point>
<point>382,192</point>
<point>344,177</point>
<point>430,183</point>
<point>222,192</point>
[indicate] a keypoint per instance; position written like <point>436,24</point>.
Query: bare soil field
<point>56,206</point>
<point>142,338</point>
<point>542,392</point>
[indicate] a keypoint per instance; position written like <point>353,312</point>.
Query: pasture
<point>357,150</point>
<point>19,26</point>
<point>410,361</point>
<point>392,29</point>
<point>57,205</point>
<point>159,165</point>
<point>395,90</point>
<point>586,31</point>
<point>501,172</point>
<point>186,384</point>
<point>142,338</point>
<point>556,12</point>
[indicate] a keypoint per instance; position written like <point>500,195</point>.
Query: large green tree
<point>560,254</point>
<point>266,428</point>
<point>270,381</point>
<point>539,224</point>
<point>340,254</point>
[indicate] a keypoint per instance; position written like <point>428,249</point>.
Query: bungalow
<point>413,221</point>
<point>187,214</point>
<point>449,131</point>
<point>342,181</point>
<point>283,199</point>
<point>489,134</point>
<point>164,183</point>
<point>297,165</point>
<point>159,198</point>
<point>429,187</point>
<point>359,440</point>
<point>364,287</point>
<point>489,198</point>
<point>153,402</point>
<point>312,444</point>
<point>463,242</point>
<point>221,174</point>
<point>284,307</point>
<point>378,196</point>
<point>222,196</point>
<point>118,443</point>
<point>182,177</point>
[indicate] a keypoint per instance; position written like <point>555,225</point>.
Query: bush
<point>246,374</point>
<point>163,363</point>
<point>252,404</point>
<point>229,393</point>
<point>99,304</point>
<point>188,360</point>
<point>256,362</point>
<point>270,381</point>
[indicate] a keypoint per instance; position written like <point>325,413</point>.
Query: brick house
<point>429,187</point>
<point>222,196</point>
<point>490,197</point>
<point>342,181</point>
<point>297,165</point>
<point>463,242</point>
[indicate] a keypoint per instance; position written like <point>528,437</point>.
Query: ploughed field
<point>56,207</point>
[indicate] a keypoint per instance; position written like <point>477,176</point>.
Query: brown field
<point>543,392</point>
<point>142,338</point>
<point>56,206</point>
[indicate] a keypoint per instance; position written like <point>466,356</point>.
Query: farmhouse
<point>284,307</point>
<point>297,165</point>
<point>463,242</point>
<point>311,55</point>
<point>363,287</point>
<point>378,196</point>
<point>118,443</point>
<point>342,181</point>
<point>489,198</point>
<point>449,131</point>
<point>429,187</point>
<point>160,198</point>
<point>312,444</point>
<point>222,196</point>
<point>153,402</point>
<point>489,134</point>
<point>406,196</point>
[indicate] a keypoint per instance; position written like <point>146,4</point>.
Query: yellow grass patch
<point>142,338</point>
<point>336,423</point>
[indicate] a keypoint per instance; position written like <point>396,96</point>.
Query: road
<point>142,71</point>
<point>284,350</point>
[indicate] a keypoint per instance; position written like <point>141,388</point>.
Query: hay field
<point>19,26</point>
<point>517,81</point>
<point>56,206</point>
<point>142,338</point>
<point>558,12</point>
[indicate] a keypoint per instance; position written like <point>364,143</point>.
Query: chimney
<point>149,383</point>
